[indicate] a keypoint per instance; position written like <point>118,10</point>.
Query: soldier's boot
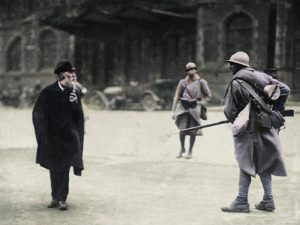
<point>238,205</point>
<point>267,204</point>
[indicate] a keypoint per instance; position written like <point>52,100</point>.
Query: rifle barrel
<point>288,112</point>
<point>204,126</point>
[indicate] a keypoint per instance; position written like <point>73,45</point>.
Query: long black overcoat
<point>59,129</point>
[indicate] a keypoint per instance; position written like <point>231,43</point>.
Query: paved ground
<point>133,178</point>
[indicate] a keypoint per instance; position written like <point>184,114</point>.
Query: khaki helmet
<point>240,58</point>
<point>190,65</point>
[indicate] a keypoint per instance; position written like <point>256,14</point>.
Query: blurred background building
<point>113,41</point>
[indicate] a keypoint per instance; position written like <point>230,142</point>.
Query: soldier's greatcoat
<point>257,150</point>
<point>59,129</point>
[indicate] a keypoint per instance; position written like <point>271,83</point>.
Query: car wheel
<point>149,103</point>
<point>97,100</point>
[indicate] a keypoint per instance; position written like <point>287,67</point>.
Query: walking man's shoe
<point>236,206</point>
<point>264,205</point>
<point>53,204</point>
<point>62,205</point>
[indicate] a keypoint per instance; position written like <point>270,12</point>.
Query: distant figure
<point>59,127</point>
<point>194,91</point>
<point>257,148</point>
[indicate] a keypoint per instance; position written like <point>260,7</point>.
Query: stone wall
<point>28,53</point>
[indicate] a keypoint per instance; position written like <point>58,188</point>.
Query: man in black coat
<point>59,128</point>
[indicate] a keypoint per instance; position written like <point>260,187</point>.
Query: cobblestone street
<point>132,176</point>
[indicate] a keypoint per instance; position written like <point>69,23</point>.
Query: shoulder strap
<point>249,88</point>
<point>186,89</point>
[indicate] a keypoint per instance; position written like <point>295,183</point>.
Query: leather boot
<point>238,205</point>
<point>266,205</point>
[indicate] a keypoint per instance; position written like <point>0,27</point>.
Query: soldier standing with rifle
<point>257,148</point>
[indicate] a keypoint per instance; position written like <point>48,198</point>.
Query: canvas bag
<point>241,121</point>
<point>203,112</point>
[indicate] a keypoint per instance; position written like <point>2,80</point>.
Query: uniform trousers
<point>244,183</point>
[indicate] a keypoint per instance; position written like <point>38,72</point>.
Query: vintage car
<point>149,97</point>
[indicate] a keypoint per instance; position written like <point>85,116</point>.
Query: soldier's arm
<point>205,90</point>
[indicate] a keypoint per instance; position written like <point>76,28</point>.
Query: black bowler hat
<point>64,66</point>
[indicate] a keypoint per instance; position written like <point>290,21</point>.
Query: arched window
<point>48,49</point>
<point>13,59</point>
<point>239,33</point>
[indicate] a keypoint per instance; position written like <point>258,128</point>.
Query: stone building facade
<point>123,40</point>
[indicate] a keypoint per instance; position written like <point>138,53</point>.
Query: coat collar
<point>60,86</point>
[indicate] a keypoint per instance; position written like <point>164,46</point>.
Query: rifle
<point>285,113</point>
<point>204,126</point>
<point>288,112</point>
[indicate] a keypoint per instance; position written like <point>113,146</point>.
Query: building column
<point>199,38</point>
<point>2,59</point>
<point>71,49</point>
<point>283,49</point>
<point>2,53</point>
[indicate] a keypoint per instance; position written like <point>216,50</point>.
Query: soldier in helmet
<point>191,94</point>
<point>257,149</point>
<point>59,127</point>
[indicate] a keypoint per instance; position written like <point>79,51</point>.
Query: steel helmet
<point>240,58</point>
<point>190,65</point>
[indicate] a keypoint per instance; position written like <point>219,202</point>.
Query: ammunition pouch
<point>277,119</point>
<point>266,120</point>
